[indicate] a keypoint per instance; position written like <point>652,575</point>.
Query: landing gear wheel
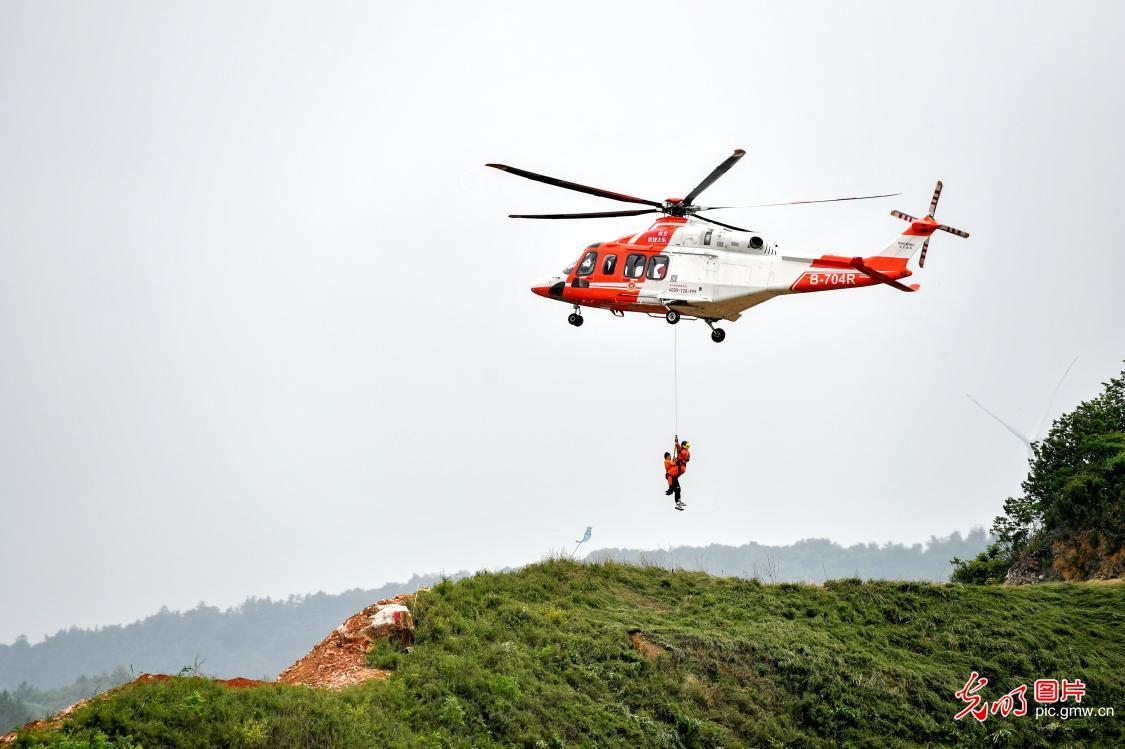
<point>575,320</point>
<point>718,335</point>
<point>672,317</point>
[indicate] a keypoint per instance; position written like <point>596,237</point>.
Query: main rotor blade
<point>717,172</point>
<point>804,202</point>
<point>599,214</point>
<point>720,223</point>
<point>575,186</point>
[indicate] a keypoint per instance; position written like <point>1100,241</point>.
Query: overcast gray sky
<point>266,329</point>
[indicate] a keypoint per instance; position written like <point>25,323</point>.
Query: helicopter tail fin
<point>910,241</point>
<point>917,235</point>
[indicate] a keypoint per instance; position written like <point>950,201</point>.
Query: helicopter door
<point>710,273</point>
<point>760,268</point>
<point>691,278</point>
<point>708,277</point>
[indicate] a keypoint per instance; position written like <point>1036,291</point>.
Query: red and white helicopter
<point>685,265</point>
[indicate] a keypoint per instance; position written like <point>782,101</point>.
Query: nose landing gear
<point>575,317</point>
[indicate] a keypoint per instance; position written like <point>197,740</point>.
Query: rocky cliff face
<point>1069,557</point>
<point>340,660</point>
<point>1024,571</point>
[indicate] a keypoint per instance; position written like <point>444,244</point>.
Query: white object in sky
<point>1038,433</point>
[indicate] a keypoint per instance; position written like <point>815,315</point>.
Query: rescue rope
<point>675,380</point>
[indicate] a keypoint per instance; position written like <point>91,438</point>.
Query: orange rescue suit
<point>671,470</point>
<point>683,456</point>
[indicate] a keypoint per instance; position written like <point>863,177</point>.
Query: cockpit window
<point>609,264</point>
<point>657,267</point>
<point>587,264</point>
<point>635,266</point>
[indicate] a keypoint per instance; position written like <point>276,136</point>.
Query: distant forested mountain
<point>254,639</point>
<point>27,703</point>
<point>814,559</point>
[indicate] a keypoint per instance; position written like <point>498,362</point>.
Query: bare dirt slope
<point>340,660</point>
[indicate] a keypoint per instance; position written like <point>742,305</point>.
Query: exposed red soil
<point>649,649</point>
<point>340,660</point>
<point>241,682</point>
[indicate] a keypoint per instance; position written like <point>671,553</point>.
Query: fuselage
<point>700,270</point>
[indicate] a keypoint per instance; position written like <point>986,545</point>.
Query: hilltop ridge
<point>260,636</point>
<point>565,654</point>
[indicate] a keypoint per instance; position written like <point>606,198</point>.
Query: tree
<point>1070,520</point>
<point>13,713</point>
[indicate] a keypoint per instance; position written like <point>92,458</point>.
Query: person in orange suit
<point>672,473</point>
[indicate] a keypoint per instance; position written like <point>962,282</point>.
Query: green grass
<point>542,658</point>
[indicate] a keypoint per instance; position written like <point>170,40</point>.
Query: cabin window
<point>587,264</point>
<point>707,236</point>
<point>609,264</point>
<point>657,267</point>
<point>635,266</point>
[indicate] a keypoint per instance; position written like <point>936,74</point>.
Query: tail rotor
<point>934,200</point>
<point>929,225</point>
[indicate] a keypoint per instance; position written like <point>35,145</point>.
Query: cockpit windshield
<point>587,264</point>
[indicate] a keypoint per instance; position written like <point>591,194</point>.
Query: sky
<point>265,327</point>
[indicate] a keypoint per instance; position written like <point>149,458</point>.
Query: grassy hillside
<point>562,654</point>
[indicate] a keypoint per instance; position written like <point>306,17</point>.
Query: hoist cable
<point>675,380</point>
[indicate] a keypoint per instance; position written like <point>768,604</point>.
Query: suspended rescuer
<point>674,467</point>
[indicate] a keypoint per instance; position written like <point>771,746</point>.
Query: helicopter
<point>689,266</point>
